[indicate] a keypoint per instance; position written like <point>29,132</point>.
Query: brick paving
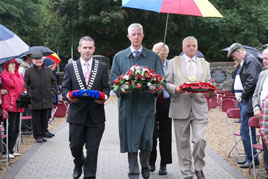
<point>53,160</point>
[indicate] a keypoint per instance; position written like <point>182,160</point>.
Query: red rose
<point>139,76</point>
<point>138,85</point>
<point>115,82</point>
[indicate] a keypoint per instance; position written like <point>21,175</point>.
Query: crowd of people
<point>145,116</point>
<point>35,77</point>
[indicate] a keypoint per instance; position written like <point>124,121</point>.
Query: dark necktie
<point>136,54</point>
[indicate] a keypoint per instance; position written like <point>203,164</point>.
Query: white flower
<point>126,77</point>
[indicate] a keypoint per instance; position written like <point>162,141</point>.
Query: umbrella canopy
<point>201,8</point>
<point>251,50</point>
<point>44,50</point>
<point>11,46</point>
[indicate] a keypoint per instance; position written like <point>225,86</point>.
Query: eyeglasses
<point>37,58</point>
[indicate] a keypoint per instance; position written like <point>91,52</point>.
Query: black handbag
<point>23,100</point>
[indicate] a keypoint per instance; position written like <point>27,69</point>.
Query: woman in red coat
<point>13,82</point>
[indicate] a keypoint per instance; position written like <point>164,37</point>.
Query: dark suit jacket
<point>78,111</point>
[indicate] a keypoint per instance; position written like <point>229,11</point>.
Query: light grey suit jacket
<point>182,104</point>
<point>257,93</point>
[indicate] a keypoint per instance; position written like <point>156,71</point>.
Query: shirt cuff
<point>256,108</point>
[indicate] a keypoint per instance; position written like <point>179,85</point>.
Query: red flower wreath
<point>200,87</point>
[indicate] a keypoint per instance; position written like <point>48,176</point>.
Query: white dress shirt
<point>84,67</point>
<point>191,65</point>
<point>133,50</point>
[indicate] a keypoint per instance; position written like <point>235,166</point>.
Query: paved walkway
<point>53,160</point>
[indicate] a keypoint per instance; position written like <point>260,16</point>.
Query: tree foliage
<point>22,17</point>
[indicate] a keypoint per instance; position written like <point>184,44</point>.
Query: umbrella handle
<point>165,34</point>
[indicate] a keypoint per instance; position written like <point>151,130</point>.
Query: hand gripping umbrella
<point>201,8</point>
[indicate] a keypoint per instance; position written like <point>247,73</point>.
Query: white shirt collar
<point>241,63</point>
<point>133,50</point>
<point>83,61</point>
<point>188,58</point>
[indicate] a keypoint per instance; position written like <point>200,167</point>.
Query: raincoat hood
<point>12,61</point>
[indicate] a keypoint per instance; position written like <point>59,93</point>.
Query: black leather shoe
<point>162,170</point>
<point>266,176</point>
<point>39,140</point>
<point>241,162</point>
<point>145,172</point>
<point>77,172</point>
<point>48,135</point>
<point>247,164</point>
<point>152,168</point>
<point>44,140</point>
<point>199,174</point>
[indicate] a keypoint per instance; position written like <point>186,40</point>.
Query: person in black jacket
<point>86,118</point>
<point>244,84</point>
<point>41,85</point>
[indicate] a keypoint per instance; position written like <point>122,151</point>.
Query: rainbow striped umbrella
<point>201,8</point>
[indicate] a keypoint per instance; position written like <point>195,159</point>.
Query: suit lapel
<point>79,66</point>
<point>184,67</point>
<point>91,71</point>
<point>262,80</point>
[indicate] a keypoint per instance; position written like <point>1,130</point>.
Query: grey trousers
<point>134,171</point>
<point>185,155</point>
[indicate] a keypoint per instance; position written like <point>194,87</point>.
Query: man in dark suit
<point>85,117</point>
<point>162,126</point>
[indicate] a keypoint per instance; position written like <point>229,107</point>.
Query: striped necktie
<point>87,72</point>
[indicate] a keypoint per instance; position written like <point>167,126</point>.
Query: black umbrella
<point>44,50</point>
<point>251,50</point>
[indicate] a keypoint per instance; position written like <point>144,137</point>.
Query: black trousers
<point>39,121</point>
<point>13,129</point>
<point>162,131</point>
<point>89,135</point>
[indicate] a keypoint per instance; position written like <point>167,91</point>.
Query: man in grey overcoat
<point>189,110</point>
<point>136,107</point>
<point>261,91</point>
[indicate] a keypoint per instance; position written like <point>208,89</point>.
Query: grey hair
<point>160,44</point>
<point>189,38</point>
<point>134,26</point>
<point>86,38</point>
<point>265,51</point>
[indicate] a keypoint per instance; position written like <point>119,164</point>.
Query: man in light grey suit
<point>261,91</point>
<point>189,110</point>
